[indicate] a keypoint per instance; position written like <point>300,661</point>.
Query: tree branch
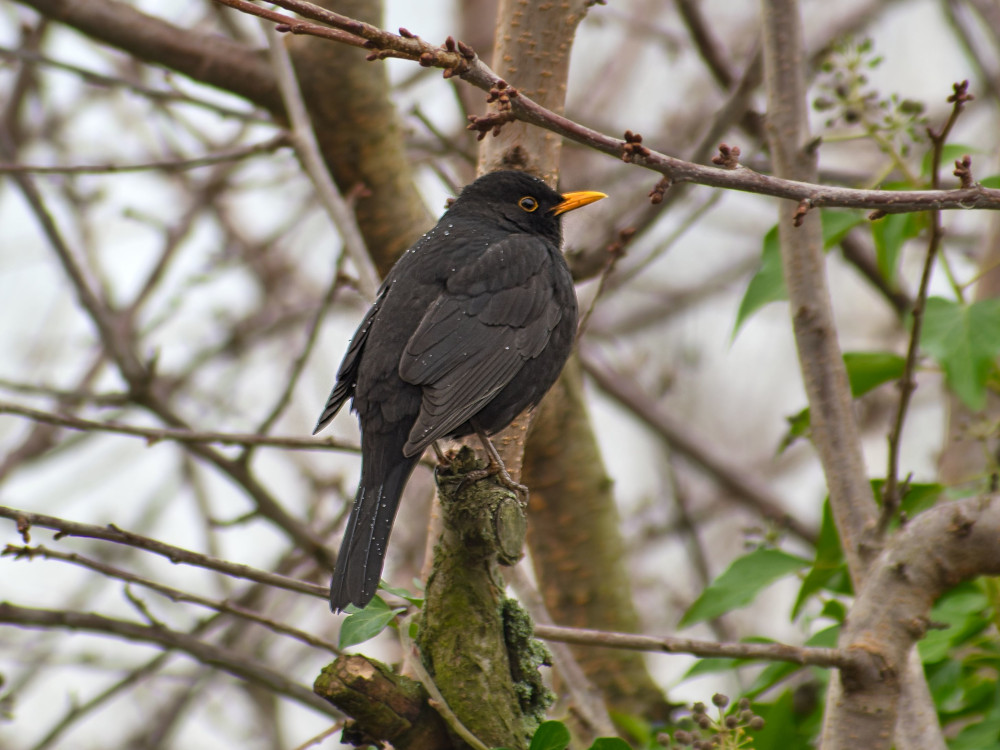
<point>176,595</point>
<point>166,165</point>
<point>154,435</point>
<point>818,657</point>
<point>834,430</point>
<point>25,520</point>
<point>745,487</point>
<point>937,550</point>
<point>203,56</point>
<point>234,663</point>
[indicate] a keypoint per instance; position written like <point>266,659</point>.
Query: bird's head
<point>521,202</point>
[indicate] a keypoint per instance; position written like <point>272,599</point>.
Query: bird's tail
<point>362,553</point>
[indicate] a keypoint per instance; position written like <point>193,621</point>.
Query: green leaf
<point>865,371</point>
<point>741,582</point>
<point>993,181</point>
<point>414,599</point>
<point>364,624</point>
<point>637,727</point>
<point>610,743</point>
<point>838,223</point>
<point>919,497</point>
<point>783,728</point>
<point>798,427</point>
<point>828,563</point>
<point>965,340</point>
<point>770,676</point>
<point>949,154</point>
<point>964,611</point>
<point>982,733</point>
<point>550,735</point>
<point>825,638</point>
<point>767,285</point>
<point>713,665</point>
<point>889,233</point>
<point>868,370</point>
<point>834,609</point>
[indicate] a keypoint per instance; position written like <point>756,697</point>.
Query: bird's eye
<point>528,203</point>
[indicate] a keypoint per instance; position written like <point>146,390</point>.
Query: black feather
<point>475,321</point>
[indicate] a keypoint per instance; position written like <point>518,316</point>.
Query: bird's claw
<point>500,472</point>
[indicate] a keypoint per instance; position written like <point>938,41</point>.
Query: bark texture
<point>936,551</point>
<point>577,548</point>
<point>360,135</point>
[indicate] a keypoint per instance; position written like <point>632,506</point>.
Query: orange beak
<point>573,201</point>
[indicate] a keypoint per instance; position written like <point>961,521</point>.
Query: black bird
<point>471,327</point>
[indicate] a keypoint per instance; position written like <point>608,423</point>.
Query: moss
<point>527,654</point>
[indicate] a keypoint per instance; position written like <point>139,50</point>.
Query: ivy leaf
<point>865,372</point>
<point>949,154</point>
<point>828,563</point>
<point>767,285</point>
<point>889,233</point>
<point>798,427</point>
<point>965,340</point>
<point>550,735</point>
<point>838,223</point>
<point>610,743</point>
<point>414,599</point>
<point>964,611</point>
<point>740,583</point>
<point>868,370</point>
<point>364,624</point>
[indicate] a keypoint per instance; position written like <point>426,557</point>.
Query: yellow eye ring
<point>528,203</point>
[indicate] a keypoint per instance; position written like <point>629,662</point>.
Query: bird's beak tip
<point>575,200</point>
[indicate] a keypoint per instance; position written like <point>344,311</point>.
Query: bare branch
<point>166,165</point>
<point>205,56</point>
<point>834,429</point>
<point>907,384</point>
<point>474,71</point>
<point>110,533</point>
<point>819,657</point>
<point>744,486</point>
<point>307,148</point>
<point>940,548</point>
<point>178,435</point>
<point>234,663</point>
<point>176,595</point>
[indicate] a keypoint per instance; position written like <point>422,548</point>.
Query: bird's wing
<point>347,374</point>
<point>497,311</point>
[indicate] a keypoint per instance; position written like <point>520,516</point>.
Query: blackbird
<point>471,327</point>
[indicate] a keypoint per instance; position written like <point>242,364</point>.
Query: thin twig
<point>176,595</point>
<point>304,139</point>
<point>907,383</point>
<point>316,740</point>
<point>180,435</point>
<point>819,657</point>
<point>298,366</point>
<point>157,95</point>
<point>166,165</point>
<point>110,533</point>
<point>223,659</point>
<point>743,484</point>
<point>462,62</point>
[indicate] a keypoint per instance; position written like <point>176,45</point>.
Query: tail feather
<point>362,552</point>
